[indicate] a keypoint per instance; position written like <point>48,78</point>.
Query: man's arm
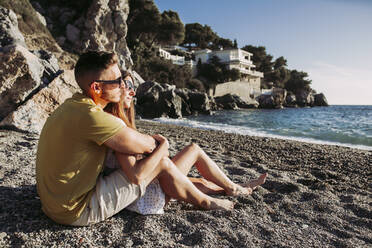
<point>129,141</point>
<point>137,171</point>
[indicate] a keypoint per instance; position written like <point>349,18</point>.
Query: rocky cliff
<point>39,43</point>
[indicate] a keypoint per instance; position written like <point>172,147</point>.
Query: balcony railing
<point>251,73</point>
<point>241,59</point>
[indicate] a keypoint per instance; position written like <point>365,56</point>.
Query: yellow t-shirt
<point>70,156</point>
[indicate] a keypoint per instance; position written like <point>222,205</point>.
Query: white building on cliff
<point>250,82</point>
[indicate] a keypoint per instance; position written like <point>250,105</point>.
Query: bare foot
<point>257,182</point>
<point>247,188</point>
<point>221,204</point>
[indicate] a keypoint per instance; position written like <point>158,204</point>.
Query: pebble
<point>304,226</point>
<point>2,235</point>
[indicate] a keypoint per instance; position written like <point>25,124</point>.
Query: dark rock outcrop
<point>290,100</point>
<point>320,100</point>
<point>231,101</point>
<point>278,98</point>
<point>155,100</point>
<point>199,102</point>
<point>274,100</point>
<point>305,98</point>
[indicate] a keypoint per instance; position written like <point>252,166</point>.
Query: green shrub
<point>195,84</point>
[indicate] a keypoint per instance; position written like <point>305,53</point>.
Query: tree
<point>232,75</point>
<point>235,45</point>
<point>298,82</point>
<point>143,22</point>
<point>171,30</point>
<point>201,36</point>
<point>261,59</point>
<point>279,77</point>
<point>222,43</point>
<point>280,62</point>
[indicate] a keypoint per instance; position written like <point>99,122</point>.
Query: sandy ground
<point>315,196</point>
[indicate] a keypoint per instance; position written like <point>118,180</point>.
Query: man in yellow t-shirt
<point>72,147</point>
<point>73,143</point>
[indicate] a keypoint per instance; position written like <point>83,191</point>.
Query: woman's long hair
<point>117,109</point>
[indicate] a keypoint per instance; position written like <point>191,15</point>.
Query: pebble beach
<point>315,196</point>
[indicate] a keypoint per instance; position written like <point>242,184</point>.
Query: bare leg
<point>194,155</point>
<point>216,181</point>
<point>176,185</point>
<point>207,187</point>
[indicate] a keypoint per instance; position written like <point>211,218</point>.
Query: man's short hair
<point>93,61</point>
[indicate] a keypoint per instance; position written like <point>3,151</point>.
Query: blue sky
<point>329,39</point>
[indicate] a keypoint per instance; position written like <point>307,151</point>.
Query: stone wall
<point>244,89</point>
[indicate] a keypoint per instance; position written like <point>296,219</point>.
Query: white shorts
<point>115,192</point>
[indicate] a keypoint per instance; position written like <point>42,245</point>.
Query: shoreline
<point>177,122</point>
<point>315,196</point>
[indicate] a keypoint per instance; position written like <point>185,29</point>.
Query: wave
<point>227,128</point>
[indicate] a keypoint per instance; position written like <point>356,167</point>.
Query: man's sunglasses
<point>128,83</point>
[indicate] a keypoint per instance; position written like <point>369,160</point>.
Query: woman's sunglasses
<point>128,83</point>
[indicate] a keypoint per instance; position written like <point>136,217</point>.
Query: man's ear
<point>96,88</point>
<point>95,91</point>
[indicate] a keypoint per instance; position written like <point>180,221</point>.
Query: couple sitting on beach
<point>94,131</point>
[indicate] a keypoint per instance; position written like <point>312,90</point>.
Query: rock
<point>320,100</point>
<point>148,92</point>
<point>155,100</point>
<point>3,235</point>
<point>274,100</point>
<point>290,100</point>
<point>213,104</point>
<point>265,101</point>
<point>105,28</point>
<point>32,115</point>
<point>231,101</point>
<point>199,102</point>
<point>20,75</point>
<point>41,18</point>
<point>184,94</point>
<point>171,104</point>
<point>38,7</point>
<point>304,98</point>
<point>72,33</point>
<point>9,32</point>
<point>168,87</point>
<point>50,64</point>
<point>186,110</point>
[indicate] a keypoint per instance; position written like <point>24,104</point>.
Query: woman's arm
<point>137,171</point>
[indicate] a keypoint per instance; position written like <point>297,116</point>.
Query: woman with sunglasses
<point>214,181</point>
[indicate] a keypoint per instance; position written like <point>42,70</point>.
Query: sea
<point>343,125</point>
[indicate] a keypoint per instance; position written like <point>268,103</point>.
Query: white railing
<point>251,73</point>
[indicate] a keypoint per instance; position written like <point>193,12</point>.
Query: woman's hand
<point>163,143</point>
<point>161,139</point>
